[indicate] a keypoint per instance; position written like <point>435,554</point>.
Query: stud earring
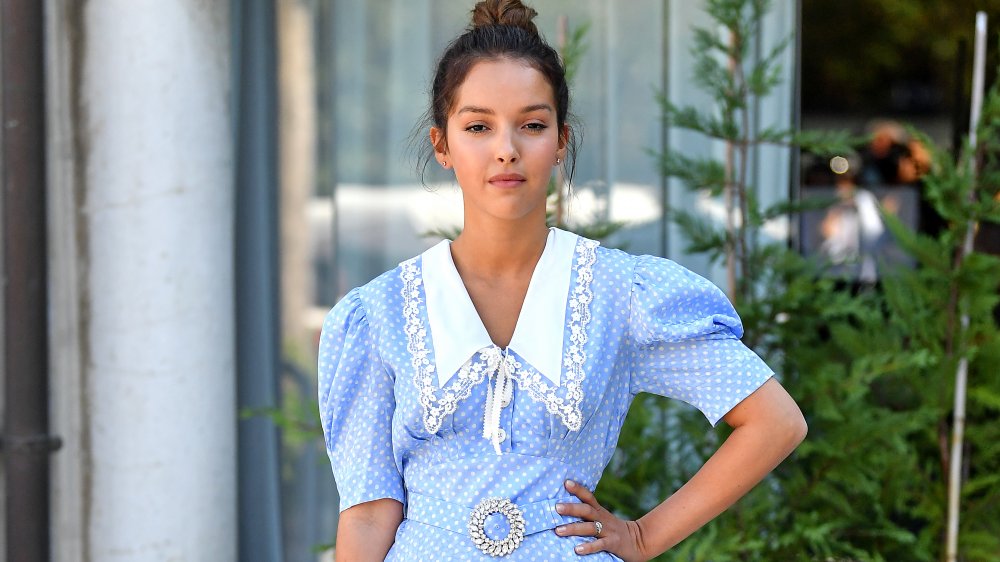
<point>444,163</point>
<point>558,161</point>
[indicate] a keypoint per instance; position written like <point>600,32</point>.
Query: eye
<point>476,128</point>
<point>536,127</point>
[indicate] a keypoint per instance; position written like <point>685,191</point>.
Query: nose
<point>506,149</point>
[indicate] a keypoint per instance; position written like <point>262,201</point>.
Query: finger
<point>581,529</point>
<point>593,546</point>
<point>580,510</point>
<point>582,492</point>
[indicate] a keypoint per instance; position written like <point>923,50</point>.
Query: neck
<point>499,249</point>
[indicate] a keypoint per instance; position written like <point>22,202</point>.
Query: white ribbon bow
<point>501,369</point>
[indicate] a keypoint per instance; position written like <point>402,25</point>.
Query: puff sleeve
<point>356,404</point>
<point>684,338</point>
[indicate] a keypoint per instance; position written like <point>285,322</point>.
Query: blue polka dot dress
<point>418,405</point>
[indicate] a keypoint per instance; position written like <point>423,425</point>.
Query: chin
<point>520,215</point>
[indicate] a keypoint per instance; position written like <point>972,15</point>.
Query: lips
<point>507,180</point>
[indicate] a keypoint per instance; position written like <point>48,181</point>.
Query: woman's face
<point>503,140</point>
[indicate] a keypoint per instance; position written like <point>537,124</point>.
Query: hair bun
<point>504,12</point>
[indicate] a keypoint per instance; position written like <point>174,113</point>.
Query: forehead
<point>503,83</point>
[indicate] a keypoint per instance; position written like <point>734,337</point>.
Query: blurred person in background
<point>852,228</point>
<point>892,156</point>
<point>885,155</point>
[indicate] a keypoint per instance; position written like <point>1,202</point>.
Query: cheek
<point>546,148</point>
<point>460,147</point>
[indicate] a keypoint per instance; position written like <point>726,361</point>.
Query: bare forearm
<point>366,532</point>
<point>747,456</point>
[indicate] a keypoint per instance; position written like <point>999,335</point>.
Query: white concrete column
<point>154,333</point>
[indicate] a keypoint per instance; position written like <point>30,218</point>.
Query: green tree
<point>872,370</point>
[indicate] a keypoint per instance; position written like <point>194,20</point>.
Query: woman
<point>472,397</point>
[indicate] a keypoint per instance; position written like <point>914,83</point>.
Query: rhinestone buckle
<point>477,524</point>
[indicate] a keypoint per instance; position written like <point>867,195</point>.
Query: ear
<point>440,144</point>
<point>563,141</point>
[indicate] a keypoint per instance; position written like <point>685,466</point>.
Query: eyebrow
<point>488,111</point>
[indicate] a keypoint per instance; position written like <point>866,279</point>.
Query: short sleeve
<point>684,338</point>
<point>356,404</point>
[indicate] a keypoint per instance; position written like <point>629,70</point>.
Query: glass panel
<point>309,502</point>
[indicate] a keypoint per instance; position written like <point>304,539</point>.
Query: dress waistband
<point>538,516</point>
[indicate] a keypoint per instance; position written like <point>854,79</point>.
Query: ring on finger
<point>599,527</point>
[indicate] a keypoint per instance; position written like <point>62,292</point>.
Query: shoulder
<point>613,269</point>
<point>357,301</point>
<point>381,300</point>
<point>663,300</point>
<point>386,285</point>
<point>642,273</point>
<point>665,273</point>
<point>615,257</point>
<point>645,271</point>
<point>679,302</point>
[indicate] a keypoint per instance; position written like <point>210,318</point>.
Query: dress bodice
<point>417,406</point>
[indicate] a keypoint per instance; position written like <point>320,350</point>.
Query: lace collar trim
<point>440,393</point>
<point>456,331</point>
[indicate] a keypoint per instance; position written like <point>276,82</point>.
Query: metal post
<point>26,443</point>
<point>257,316</point>
<point>665,132</point>
<point>962,372</point>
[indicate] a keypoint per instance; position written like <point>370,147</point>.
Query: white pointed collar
<point>457,331</point>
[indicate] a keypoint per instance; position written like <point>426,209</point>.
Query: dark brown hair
<point>500,29</point>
